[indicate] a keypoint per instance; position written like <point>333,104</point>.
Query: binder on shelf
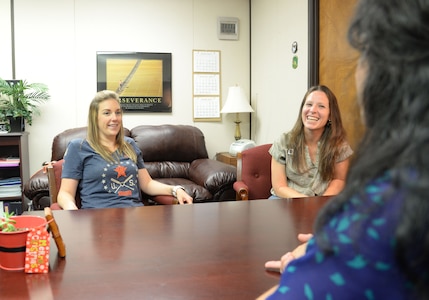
<point>10,181</point>
<point>15,207</point>
<point>9,162</point>
<point>10,187</point>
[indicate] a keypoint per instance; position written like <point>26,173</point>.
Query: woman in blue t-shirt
<point>372,240</point>
<point>108,168</point>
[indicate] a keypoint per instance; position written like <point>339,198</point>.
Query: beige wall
<point>57,41</point>
<point>5,44</point>
<point>277,88</point>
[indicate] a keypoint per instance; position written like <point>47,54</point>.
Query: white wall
<point>277,88</point>
<point>57,41</point>
<point>5,44</point>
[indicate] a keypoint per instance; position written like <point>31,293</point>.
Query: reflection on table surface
<point>200,251</point>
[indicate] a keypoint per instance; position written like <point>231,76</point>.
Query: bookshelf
<point>14,170</point>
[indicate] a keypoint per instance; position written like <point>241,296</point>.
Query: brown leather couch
<point>173,154</point>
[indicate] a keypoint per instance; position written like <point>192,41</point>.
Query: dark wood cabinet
<point>14,170</point>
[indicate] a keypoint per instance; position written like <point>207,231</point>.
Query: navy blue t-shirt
<point>101,183</point>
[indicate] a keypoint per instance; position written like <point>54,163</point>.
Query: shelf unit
<point>14,145</point>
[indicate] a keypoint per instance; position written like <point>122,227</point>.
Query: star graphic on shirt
<point>121,171</point>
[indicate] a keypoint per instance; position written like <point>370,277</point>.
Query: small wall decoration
<point>142,80</point>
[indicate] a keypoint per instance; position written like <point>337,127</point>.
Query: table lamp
<point>236,102</point>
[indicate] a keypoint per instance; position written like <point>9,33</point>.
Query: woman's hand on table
<point>280,265</point>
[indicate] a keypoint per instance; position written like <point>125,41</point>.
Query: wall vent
<point>227,28</point>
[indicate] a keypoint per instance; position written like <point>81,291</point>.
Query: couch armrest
<point>214,175</point>
<point>37,185</point>
<point>165,199</point>
<point>242,190</point>
<point>55,206</point>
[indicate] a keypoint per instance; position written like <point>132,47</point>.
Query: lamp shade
<point>236,102</point>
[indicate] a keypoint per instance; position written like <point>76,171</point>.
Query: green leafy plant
<point>7,224</point>
<point>18,98</point>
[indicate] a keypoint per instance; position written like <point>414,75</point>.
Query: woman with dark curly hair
<point>372,240</point>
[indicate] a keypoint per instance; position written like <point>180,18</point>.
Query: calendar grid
<point>206,85</point>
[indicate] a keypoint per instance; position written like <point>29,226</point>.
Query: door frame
<point>313,42</point>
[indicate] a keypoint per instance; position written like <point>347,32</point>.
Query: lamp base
<point>237,135</point>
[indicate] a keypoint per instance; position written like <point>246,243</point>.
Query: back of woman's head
<point>393,38</point>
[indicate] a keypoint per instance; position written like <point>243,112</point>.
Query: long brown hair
<point>332,138</point>
<point>93,135</point>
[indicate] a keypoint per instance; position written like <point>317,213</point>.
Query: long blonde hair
<point>93,135</point>
<point>331,140</point>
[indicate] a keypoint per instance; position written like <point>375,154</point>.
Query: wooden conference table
<point>200,251</point>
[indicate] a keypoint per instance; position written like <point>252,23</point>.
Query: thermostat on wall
<point>227,28</point>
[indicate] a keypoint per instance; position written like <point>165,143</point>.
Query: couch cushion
<point>179,143</point>
<point>61,140</point>
<point>165,169</point>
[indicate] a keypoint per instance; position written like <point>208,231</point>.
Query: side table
<point>227,158</point>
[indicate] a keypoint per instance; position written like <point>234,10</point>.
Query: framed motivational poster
<point>142,79</point>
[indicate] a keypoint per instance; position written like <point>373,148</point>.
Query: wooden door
<point>337,62</point>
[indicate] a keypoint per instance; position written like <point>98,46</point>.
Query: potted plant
<point>20,100</point>
<point>13,239</point>
<point>7,224</point>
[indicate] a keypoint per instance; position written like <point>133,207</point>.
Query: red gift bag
<point>37,251</point>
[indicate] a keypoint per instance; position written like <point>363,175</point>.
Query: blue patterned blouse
<point>363,264</point>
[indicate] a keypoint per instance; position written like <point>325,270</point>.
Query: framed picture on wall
<point>142,79</point>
